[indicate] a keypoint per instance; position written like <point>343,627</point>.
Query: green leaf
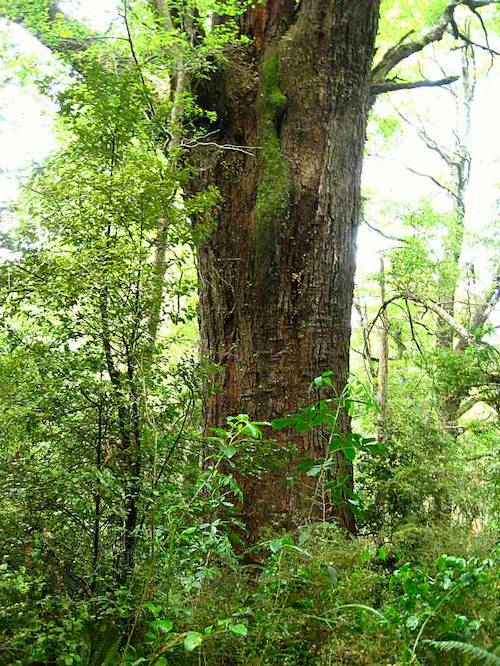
<point>332,574</point>
<point>219,431</point>
<point>382,554</point>
<point>306,463</point>
<point>229,450</point>
<point>349,452</point>
<point>250,429</point>
<point>301,426</point>
<point>276,545</point>
<point>238,629</point>
<point>153,608</point>
<point>323,380</point>
<point>163,625</point>
<point>284,422</point>
<point>192,640</point>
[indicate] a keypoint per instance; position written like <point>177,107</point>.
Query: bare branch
<point>383,234</point>
<point>200,141</point>
<point>151,109</point>
<point>246,150</point>
<point>434,180</point>
<point>408,47</point>
<point>392,85</point>
<point>459,329</point>
<point>445,153</point>
<point>483,311</point>
<point>483,47</point>
<point>412,327</point>
<point>405,49</point>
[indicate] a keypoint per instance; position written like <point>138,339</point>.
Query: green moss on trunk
<point>274,186</point>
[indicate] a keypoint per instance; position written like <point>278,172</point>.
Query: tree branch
<point>383,234</point>
<point>396,54</point>
<point>45,30</point>
<point>391,85</point>
<point>408,47</point>
<point>435,181</point>
<point>462,332</point>
<point>151,109</point>
<point>459,329</point>
<point>483,310</point>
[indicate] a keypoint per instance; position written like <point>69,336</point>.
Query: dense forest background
<point>221,441</point>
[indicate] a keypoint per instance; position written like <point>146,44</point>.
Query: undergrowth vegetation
<point>417,589</point>
<point>122,538</point>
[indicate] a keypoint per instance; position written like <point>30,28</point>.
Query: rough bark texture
<point>276,275</point>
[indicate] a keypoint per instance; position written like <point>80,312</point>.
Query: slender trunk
<point>383,366</point>
<point>368,359</point>
<point>134,463</point>
<point>276,275</point>
<point>459,163</point>
<point>130,458</point>
<point>450,277</point>
<point>97,503</point>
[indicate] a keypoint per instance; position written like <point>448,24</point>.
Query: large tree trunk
<point>276,274</point>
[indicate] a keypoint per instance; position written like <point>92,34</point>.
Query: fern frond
<point>467,649</point>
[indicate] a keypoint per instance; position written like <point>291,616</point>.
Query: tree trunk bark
<point>276,274</point>
<point>458,161</point>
